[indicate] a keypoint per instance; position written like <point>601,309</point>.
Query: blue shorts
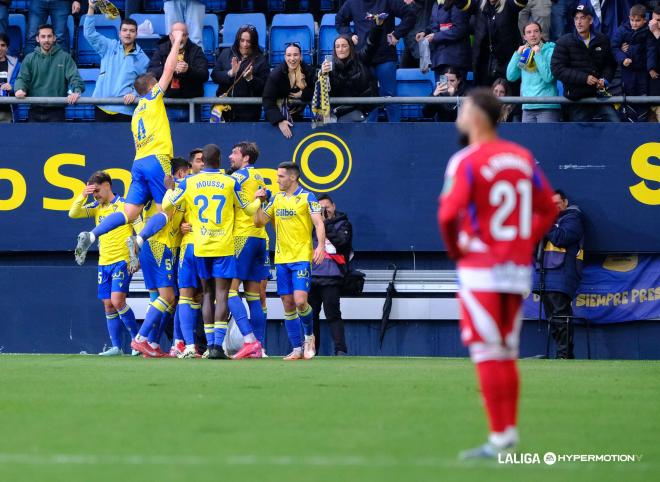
<point>188,277</point>
<point>251,258</point>
<point>157,274</point>
<point>216,267</point>
<point>293,277</point>
<point>113,278</point>
<point>148,180</point>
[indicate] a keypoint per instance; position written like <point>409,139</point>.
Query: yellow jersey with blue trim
<point>171,234</point>
<point>151,127</point>
<point>250,181</point>
<point>292,216</point>
<point>112,245</point>
<point>212,197</point>
<point>189,237</point>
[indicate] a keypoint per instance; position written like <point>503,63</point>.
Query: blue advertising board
<point>385,176</point>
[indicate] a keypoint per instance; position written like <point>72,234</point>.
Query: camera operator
<point>328,277</point>
<point>558,271</point>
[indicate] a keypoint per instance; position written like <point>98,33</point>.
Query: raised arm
<point>79,209</point>
<point>170,62</point>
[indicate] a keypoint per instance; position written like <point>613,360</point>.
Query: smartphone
<point>443,80</point>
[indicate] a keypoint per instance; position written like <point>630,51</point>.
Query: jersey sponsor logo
<point>212,233</point>
<point>285,213</point>
<point>302,274</point>
<point>325,162</point>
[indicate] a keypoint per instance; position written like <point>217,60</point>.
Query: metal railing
<point>191,103</point>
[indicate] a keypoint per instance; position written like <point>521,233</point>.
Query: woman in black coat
<point>241,71</point>
<point>292,80</point>
<point>350,74</point>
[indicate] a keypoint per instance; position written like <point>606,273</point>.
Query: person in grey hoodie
<point>48,72</point>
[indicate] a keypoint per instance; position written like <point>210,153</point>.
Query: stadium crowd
<point>535,48</point>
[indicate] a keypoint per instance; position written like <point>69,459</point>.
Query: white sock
<point>505,438</point>
<point>309,337</point>
<point>92,237</point>
<point>154,345</point>
<point>176,342</point>
<point>139,240</point>
<point>139,338</point>
<point>188,347</point>
<point>297,350</point>
<point>250,338</point>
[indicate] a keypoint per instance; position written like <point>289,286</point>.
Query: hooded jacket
<point>191,82</point>
<point>50,74</point>
<point>638,44</point>
<point>536,83</point>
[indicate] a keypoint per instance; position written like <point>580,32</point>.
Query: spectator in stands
<point>558,271</point>
<point>531,63</point>
<point>452,85</point>
<point>9,67</point>
<point>241,71</point>
<point>448,33</point>
<point>190,12</point>
<point>538,11</point>
<point>190,74</point>
<point>496,36</point>
<point>327,277</point>
<point>583,61</point>
<point>560,17</point>
<point>122,61</point>
<point>4,15</point>
<point>653,61</point>
<point>293,80</point>
<point>38,78</point>
<point>58,10</point>
<point>629,45</point>
<point>350,74</point>
<point>422,9</point>
<point>385,59</point>
<point>509,112</point>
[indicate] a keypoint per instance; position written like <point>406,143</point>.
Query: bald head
<point>184,31</point>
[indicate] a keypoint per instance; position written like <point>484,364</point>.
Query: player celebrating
<point>495,206</point>
<point>153,152</point>
<point>113,276</point>
<point>213,195</point>
<point>250,250</point>
<point>293,212</point>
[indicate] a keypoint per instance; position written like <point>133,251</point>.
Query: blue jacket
<point>653,62</point>
<point>14,66</point>
<point>537,83</point>
<point>355,11</point>
<point>451,37</point>
<point>118,70</point>
<point>637,51</point>
<point>563,253</point>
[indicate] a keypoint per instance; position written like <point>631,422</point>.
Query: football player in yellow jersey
<point>153,152</point>
<point>250,249</point>
<point>158,262</point>
<point>113,276</point>
<point>293,211</point>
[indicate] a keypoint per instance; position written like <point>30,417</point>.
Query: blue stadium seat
<point>152,6</point>
<point>560,88</point>
<point>149,44</point>
<point>329,6</point>
<point>79,112</point>
<point>276,5</point>
<point>247,6</point>
<point>108,28</point>
<point>210,88</point>
<point>288,28</point>
<point>19,6</point>
<point>210,34</point>
<point>216,6</point>
<point>400,47</point>
<point>413,83</point>
<point>327,35</point>
<point>234,21</point>
<point>17,31</point>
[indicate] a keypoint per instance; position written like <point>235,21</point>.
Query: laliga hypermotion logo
<point>325,162</point>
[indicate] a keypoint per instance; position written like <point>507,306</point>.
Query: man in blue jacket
<point>122,61</point>
<point>385,59</point>
<point>558,278</point>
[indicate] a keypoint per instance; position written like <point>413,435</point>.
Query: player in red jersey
<point>495,206</point>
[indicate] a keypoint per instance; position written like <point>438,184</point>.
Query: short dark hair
<point>128,21</point>
<point>194,152</point>
<point>99,177</point>
<point>291,168</point>
<point>144,83</point>
<point>179,163</point>
<point>321,197</point>
<point>561,194</point>
<point>4,38</point>
<point>248,149</point>
<point>453,70</point>
<point>484,99</point>
<point>211,154</point>
<point>638,10</point>
<point>44,26</point>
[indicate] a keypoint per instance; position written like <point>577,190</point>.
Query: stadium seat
<point>210,34</point>
<point>79,112</point>
<point>560,88</point>
<point>247,6</point>
<point>413,83</point>
<point>216,6</point>
<point>329,6</point>
<point>276,6</point>
<point>234,21</point>
<point>17,31</point>
<point>149,44</point>
<point>210,88</point>
<point>108,28</point>
<point>120,4</point>
<point>327,35</point>
<point>289,28</point>
<point>19,6</point>
<point>152,6</point>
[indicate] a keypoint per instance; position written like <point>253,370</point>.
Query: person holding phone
<point>449,84</point>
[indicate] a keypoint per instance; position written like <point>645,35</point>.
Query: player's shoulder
<point>154,93</point>
<point>241,175</point>
<point>464,155</point>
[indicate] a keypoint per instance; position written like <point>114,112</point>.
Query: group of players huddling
<point>201,234</point>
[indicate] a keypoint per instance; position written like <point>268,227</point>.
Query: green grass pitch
<point>84,418</point>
